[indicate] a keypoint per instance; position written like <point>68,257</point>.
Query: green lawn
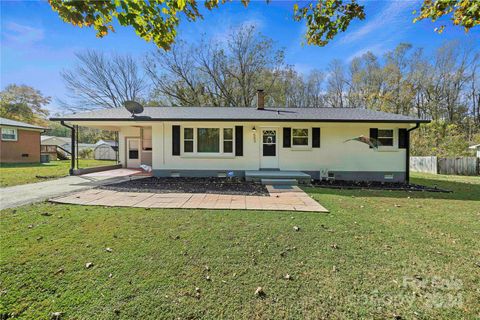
<point>12,174</point>
<point>377,255</point>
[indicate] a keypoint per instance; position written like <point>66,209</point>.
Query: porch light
<point>254,131</point>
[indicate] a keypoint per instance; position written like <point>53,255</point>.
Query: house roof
<point>62,140</point>
<point>13,123</point>
<point>475,146</point>
<point>241,114</point>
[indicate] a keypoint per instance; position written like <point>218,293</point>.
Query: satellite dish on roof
<point>133,107</point>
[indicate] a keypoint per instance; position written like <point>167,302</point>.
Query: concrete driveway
<point>15,196</point>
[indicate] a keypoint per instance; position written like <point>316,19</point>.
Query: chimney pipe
<point>260,99</point>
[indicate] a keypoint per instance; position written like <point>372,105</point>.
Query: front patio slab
<point>290,198</point>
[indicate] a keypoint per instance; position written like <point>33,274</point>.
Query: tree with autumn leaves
<point>158,20</point>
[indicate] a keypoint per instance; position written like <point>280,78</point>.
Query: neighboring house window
<point>208,140</point>
<point>385,137</point>
<point>9,134</point>
<point>147,139</point>
<point>228,140</point>
<point>300,137</point>
<point>188,140</point>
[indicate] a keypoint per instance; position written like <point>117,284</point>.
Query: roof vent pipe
<point>260,99</point>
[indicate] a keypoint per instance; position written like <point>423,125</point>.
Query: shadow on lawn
<point>26,165</point>
<point>460,191</point>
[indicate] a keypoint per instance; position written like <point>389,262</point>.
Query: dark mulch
<point>233,186</point>
<point>396,186</point>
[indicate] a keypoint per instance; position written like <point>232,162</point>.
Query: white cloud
<point>390,15</point>
<point>20,34</point>
<point>376,49</point>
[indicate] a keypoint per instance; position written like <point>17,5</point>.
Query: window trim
<point>302,146</point>
<point>196,154</point>
<point>7,139</point>
<point>183,141</point>
<point>394,146</point>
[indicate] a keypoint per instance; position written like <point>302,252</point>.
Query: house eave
<point>144,119</point>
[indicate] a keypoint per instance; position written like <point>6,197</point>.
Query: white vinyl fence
<point>466,166</point>
<point>424,164</point>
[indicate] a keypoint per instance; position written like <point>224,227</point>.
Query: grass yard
<point>12,174</point>
<point>377,255</point>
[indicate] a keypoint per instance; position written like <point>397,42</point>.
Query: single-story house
<point>214,141</point>
<point>19,142</point>
<point>105,150</point>
<point>477,148</point>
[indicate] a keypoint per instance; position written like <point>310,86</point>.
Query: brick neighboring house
<point>19,141</point>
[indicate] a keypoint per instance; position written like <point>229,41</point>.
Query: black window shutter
<point>287,137</point>
<point>373,135</point>
<point>175,140</point>
<point>239,140</point>
<point>402,138</point>
<point>315,137</point>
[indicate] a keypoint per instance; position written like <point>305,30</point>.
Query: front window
<point>385,137</point>
<point>300,137</point>
<point>227,140</point>
<point>9,134</point>
<point>188,140</point>
<point>208,140</point>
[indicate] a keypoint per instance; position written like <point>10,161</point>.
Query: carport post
<point>72,145</point>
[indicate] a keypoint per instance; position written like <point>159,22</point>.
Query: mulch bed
<point>373,185</point>
<point>232,186</point>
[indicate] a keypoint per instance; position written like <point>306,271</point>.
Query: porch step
<point>280,182</point>
<point>259,175</point>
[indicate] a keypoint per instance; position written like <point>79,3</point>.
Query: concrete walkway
<point>280,198</point>
<point>15,196</point>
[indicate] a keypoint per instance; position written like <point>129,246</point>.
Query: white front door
<point>269,149</point>
<point>133,153</point>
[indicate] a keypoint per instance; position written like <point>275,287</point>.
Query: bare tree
<point>211,73</point>
<point>98,81</point>
<point>336,85</point>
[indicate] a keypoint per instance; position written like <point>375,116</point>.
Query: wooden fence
<point>465,166</point>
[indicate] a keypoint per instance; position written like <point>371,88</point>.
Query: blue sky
<point>36,45</point>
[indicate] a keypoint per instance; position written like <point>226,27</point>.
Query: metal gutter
<point>407,157</point>
<point>238,119</point>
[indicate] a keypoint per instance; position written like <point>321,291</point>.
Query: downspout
<point>407,157</point>
<point>72,145</point>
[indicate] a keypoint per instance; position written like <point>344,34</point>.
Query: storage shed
<point>105,151</point>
